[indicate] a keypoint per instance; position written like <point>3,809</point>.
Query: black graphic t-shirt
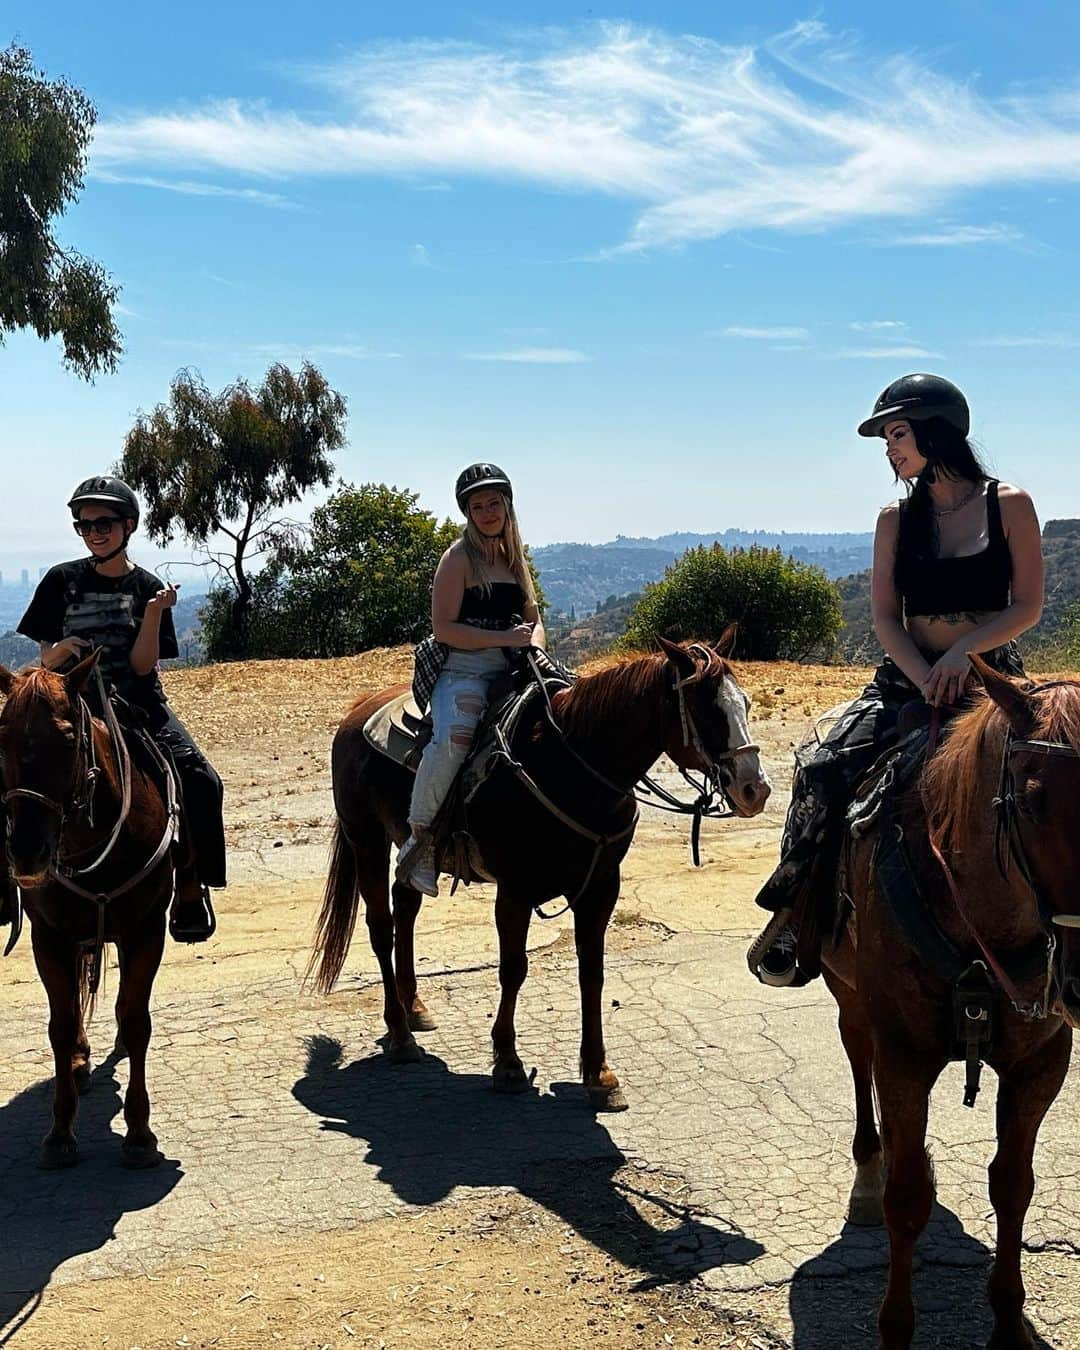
<point>73,599</point>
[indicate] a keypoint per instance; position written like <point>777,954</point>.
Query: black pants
<point>200,787</point>
<point>827,774</point>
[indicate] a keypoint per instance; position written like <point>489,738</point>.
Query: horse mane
<point>37,682</point>
<point>950,782</point>
<point>605,692</point>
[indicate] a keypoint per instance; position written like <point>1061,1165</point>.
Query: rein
<point>1008,844</point>
<point>81,802</point>
<point>647,787</point>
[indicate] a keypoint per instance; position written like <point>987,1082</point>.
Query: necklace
<point>967,497</point>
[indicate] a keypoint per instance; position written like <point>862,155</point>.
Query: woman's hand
<point>518,636</point>
<point>949,677</point>
<point>67,649</point>
<point>163,599</point>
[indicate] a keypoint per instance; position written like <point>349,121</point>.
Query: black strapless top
<point>979,582</point>
<point>497,607</point>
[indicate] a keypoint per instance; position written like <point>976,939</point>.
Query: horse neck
<point>620,733</point>
<point>1003,908</point>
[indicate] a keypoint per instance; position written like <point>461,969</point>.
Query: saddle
<point>400,731</point>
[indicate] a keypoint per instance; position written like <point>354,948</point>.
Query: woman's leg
<point>203,825</point>
<point>457,705</point>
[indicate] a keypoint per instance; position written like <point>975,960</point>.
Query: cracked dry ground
<point>317,1196</point>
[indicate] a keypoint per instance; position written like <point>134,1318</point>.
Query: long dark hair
<point>948,454</point>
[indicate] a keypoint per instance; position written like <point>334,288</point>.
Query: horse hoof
<point>140,1156</point>
<point>408,1052</point>
<point>608,1099</point>
<point>83,1080</point>
<point>421,1020</point>
<point>865,1211</point>
<point>55,1156</point>
<point>509,1078</point>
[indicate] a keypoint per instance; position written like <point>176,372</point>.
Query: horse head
<point>1040,786</point>
<point>710,730</point>
<point>44,731</point>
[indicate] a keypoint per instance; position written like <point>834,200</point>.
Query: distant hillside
<point>575,641</point>
<point>579,577</point>
<point>1061,549</point>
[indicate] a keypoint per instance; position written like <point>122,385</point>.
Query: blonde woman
<point>483,606</point>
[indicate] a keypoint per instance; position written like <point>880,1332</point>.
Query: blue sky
<point>657,261</point>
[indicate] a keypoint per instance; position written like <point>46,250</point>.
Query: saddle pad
<point>393,728</point>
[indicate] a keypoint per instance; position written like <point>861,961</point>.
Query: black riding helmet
<point>102,489</point>
<point>914,398</point>
<point>478,476</point>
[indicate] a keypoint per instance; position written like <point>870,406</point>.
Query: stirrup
<point>764,942</point>
<point>201,921</point>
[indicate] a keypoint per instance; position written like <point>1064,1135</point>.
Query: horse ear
<point>77,677</point>
<point>1016,703</point>
<point>679,657</point>
<point>726,644</point>
<point>7,679</point>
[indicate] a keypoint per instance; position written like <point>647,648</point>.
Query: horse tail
<point>88,996</point>
<point>337,919</point>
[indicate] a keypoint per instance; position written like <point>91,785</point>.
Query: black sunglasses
<point>99,525</point>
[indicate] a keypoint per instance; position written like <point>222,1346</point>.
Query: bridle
<point>80,803</point>
<point>1009,847</point>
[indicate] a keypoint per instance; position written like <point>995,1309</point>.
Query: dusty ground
<point>600,1241</point>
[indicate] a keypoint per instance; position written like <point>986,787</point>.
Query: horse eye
<point>1032,799</point>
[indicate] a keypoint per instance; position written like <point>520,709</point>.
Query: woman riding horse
<point>109,602</point>
<point>483,606</point>
<point>957,568</point>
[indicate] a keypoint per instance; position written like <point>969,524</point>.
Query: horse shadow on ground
<point>47,1218</point>
<point>843,1287</point>
<point>429,1131</point>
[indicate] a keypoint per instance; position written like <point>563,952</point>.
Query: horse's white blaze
<point>745,769</point>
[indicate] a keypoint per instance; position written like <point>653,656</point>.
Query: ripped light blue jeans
<point>457,705</point>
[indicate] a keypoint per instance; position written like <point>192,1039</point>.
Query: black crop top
<point>495,608</point>
<point>979,582</point>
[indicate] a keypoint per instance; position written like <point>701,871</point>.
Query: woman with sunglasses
<point>107,601</point>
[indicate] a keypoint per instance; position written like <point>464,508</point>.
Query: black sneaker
<point>777,967</point>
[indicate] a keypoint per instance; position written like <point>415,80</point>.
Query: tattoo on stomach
<point>964,616</point>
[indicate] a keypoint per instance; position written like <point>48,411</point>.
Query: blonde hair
<point>508,543</point>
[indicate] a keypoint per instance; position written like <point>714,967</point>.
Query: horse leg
<point>372,857</point>
<point>512,919</point>
<point>1024,1097</point>
<point>119,1049</point>
<point>591,918</point>
<point>864,1205</point>
<point>406,907</point>
<point>903,1089</point>
<point>57,961</point>
<point>139,968</point>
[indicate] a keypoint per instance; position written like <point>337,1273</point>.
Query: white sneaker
<point>416,865</point>
<point>772,957</point>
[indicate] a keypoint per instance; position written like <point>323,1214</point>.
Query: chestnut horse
<point>613,725</point>
<point>991,833</point>
<point>89,846</point>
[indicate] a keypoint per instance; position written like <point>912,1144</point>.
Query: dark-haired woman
<point>957,568</point>
<point>483,605</point>
<point>105,601</point>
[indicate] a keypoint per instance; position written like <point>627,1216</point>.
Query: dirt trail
<point>594,1245</point>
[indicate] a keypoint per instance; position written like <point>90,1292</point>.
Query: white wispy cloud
<point>290,352</point>
<point>419,256</point>
<point>954,236</point>
<point>254,196</point>
<point>897,353</point>
<point>534,356</point>
<point>876,325</point>
<point>702,137</point>
<point>776,334</point>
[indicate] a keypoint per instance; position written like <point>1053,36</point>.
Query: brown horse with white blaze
<point>612,726</point>
<point>92,859</point>
<point>991,834</point>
